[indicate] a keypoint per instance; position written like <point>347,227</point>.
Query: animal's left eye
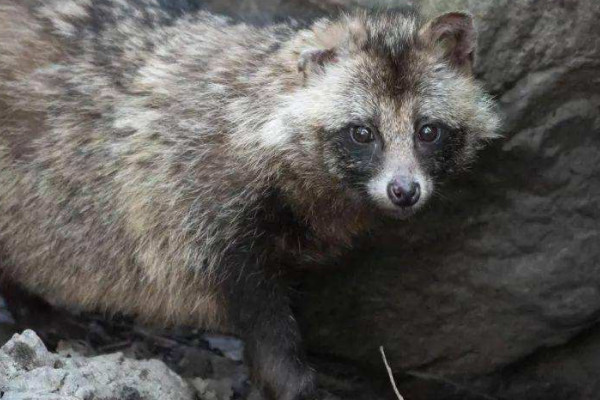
<point>430,133</point>
<point>362,134</point>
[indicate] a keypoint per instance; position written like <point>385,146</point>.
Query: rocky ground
<point>51,354</point>
<point>492,293</point>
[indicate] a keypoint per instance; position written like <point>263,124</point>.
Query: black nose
<point>404,193</point>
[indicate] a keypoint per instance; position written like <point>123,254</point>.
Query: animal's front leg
<point>260,313</point>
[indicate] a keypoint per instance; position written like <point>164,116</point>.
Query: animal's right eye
<point>362,134</point>
<point>429,133</point>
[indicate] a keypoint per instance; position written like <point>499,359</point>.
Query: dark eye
<point>362,134</point>
<point>429,133</point>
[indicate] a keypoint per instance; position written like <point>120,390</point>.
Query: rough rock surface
<point>29,371</point>
<point>87,356</point>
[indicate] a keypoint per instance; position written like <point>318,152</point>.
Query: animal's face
<point>394,115</point>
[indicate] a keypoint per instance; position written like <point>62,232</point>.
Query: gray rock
<point>214,389</point>
<point>231,348</point>
<point>27,352</point>
<point>29,371</point>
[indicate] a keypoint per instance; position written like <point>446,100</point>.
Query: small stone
<point>214,389</point>
<point>27,351</point>
<point>231,347</point>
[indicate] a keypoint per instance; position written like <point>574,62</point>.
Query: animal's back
<point>115,165</point>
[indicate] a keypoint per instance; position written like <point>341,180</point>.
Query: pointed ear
<point>455,34</point>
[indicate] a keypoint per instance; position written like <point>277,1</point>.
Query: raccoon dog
<point>166,163</point>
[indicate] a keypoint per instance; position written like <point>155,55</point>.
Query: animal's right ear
<point>454,34</point>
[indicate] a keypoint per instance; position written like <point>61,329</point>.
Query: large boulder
<point>506,262</point>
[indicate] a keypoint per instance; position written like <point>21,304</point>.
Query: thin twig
<point>390,374</point>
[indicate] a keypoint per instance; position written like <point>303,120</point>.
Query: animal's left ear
<point>455,34</point>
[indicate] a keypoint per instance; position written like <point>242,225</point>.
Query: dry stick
<point>391,375</point>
